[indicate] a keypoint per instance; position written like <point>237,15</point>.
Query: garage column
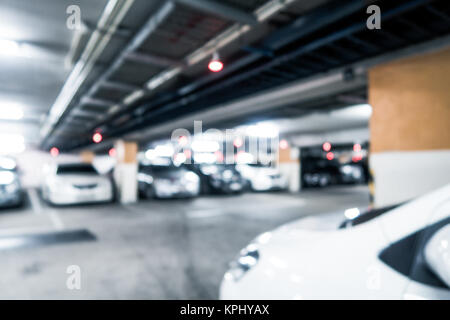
<point>125,171</point>
<point>410,126</point>
<point>289,164</point>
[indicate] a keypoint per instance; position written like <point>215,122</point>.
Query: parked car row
<point>73,183</point>
<point>192,180</point>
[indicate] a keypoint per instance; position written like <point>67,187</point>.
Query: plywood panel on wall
<point>411,103</point>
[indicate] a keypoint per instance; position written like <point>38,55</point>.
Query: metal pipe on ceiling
<point>231,34</point>
<point>222,10</point>
<point>234,32</point>
<point>113,14</point>
<point>141,121</point>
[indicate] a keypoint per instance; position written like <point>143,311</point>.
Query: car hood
<point>296,263</point>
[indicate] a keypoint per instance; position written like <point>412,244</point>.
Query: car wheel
<point>149,192</point>
<point>323,182</point>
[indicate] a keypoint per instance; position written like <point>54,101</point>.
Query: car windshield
<point>76,169</point>
<point>160,169</point>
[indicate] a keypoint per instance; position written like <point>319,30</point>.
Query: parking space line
<point>35,202</point>
<point>208,213</point>
<point>56,220</point>
<point>18,231</point>
<point>37,209</point>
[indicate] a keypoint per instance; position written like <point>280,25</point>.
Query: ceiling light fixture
<point>215,65</point>
<point>8,47</point>
<point>54,152</point>
<point>11,112</point>
<point>11,143</point>
<point>97,137</point>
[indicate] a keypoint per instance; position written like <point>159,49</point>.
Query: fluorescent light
<point>263,130</point>
<point>204,158</point>
<point>11,112</point>
<point>205,146</point>
<point>7,163</point>
<point>8,47</point>
<point>164,150</point>
<point>244,158</point>
<point>150,154</point>
<point>11,143</point>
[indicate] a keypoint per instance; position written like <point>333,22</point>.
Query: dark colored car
<point>219,178</point>
<point>167,182</point>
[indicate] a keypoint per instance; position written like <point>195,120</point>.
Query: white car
<point>75,183</point>
<point>403,253</point>
<point>262,178</point>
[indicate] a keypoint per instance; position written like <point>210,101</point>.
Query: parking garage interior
<point>144,144</point>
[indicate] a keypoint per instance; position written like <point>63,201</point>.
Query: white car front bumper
<point>100,194</point>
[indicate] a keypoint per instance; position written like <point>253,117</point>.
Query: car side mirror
<point>437,253</point>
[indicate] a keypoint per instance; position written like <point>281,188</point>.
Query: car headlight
<point>247,259</point>
<point>6,177</point>
<point>227,174</point>
<point>13,187</point>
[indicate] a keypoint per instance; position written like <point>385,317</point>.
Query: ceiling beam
<point>154,60</point>
<point>85,113</point>
<point>96,102</point>
<point>148,28</point>
<point>222,10</point>
<point>121,86</point>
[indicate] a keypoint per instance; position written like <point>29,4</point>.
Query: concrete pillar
<point>410,135</point>
<point>289,164</point>
<point>125,171</point>
<point>87,156</point>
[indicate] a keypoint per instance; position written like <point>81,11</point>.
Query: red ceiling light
<point>330,156</point>
<point>54,152</point>
<point>97,137</point>
<point>112,152</point>
<point>357,147</point>
<point>326,146</point>
<point>284,144</point>
<point>215,65</point>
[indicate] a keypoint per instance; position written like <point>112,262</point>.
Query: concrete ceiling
<point>171,42</point>
<point>33,78</point>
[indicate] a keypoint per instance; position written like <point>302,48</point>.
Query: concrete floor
<point>173,249</point>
